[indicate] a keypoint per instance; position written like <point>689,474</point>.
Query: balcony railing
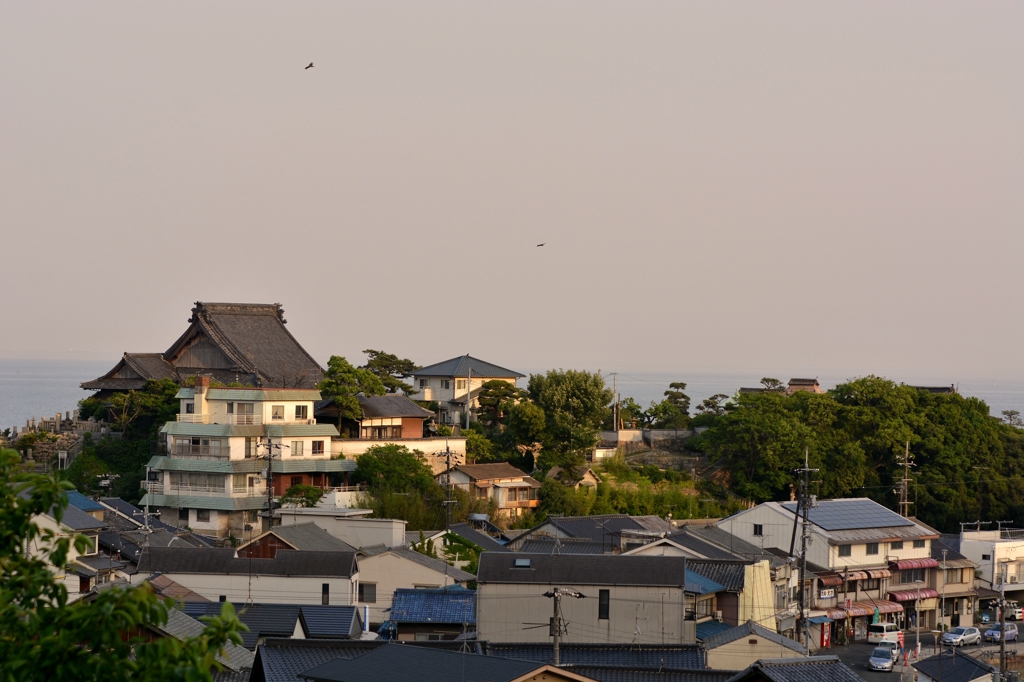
<point>178,488</point>
<point>154,487</point>
<point>194,418</point>
<point>199,452</point>
<point>242,419</point>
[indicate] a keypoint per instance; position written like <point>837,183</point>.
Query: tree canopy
<point>390,369</point>
<point>43,637</point>
<point>342,382</point>
<point>575,405</point>
<point>495,399</point>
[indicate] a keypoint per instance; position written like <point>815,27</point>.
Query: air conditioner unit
<point>718,616</point>
<point>1013,578</point>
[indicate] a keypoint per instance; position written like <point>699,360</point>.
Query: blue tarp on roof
<point>77,499</point>
<point>696,583</point>
<point>451,605</point>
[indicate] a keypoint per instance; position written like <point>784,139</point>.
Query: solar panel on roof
<point>851,514</point>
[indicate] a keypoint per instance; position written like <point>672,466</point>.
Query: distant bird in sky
<point>539,245</point>
<point>309,67</point>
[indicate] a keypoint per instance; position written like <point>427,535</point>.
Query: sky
<point>808,188</point>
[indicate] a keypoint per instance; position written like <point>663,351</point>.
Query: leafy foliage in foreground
<point>43,637</point>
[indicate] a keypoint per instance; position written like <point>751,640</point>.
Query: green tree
<point>302,495</point>
<point>495,399</point>
<point>342,382</point>
<point>713,406</point>
<point>575,404</point>
<point>43,637</point>
<point>479,447</point>
<point>526,423</point>
<point>391,369</point>
<point>1012,417</point>
<point>394,468</point>
<point>631,413</point>
<point>771,384</point>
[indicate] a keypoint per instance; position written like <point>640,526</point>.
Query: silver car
<point>962,635</point>
<point>893,647</point>
<point>881,659</point>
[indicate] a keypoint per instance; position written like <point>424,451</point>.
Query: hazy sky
<point>773,186</point>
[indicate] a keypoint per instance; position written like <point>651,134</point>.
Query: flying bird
<point>539,245</point>
<point>309,67</point>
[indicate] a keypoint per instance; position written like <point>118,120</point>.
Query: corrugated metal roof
<point>302,430</point>
<point>460,367</point>
<point>452,605</point>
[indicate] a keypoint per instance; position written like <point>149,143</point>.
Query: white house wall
<point>268,589</point>
<point>390,572</point>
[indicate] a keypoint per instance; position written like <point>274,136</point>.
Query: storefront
<point>856,616</point>
<point>919,605</point>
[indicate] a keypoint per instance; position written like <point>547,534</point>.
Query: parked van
<point>883,632</point>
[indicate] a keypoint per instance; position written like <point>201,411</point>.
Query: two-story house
<point>454,383</point>
<point>870,559</point>
<point>213,477</point>
<point>509,488</point>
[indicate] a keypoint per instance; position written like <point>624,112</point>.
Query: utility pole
<point>942,602</point>
<point>558,626</point>
<point>904,487</point>
<point>270,446</point>
<point>806,501</point>
<point>1002,625</point>
<point>448,501</point>
<point>469,384</point>
<point>615,408</point>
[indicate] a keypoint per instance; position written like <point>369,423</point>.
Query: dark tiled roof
<point>150,365</point>
<point>700,546</point>
<point>222,561</point>
<point>565,546</point>
<point>401,663</point>
<point>629,674</point>
<point>711,627</point>
<point>263,620</point>
<point>77,499</point>
<point>954,667</point>
<point>481,540</point>
<point>746,630</point>
<point>137,516</point>
<point>810,669</point>
<point>669,657</point>
<point>330,622</point>
<point>76,519</point>
<point>100,562</point>
<point>733,544</point>
<point>165,587</point>
<point>602,569</point>
<point>803,382</point>
<point>143,365</point>
<point>391,405</point>
<point>451,605</point>
<point>460,367</point>
<point>485,471</point>
<point>309,537</point>
<point>602,527</point>
<point>729,574</point>
<point>181,626</point>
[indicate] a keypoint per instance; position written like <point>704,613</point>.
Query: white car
<point>962,635</point>
<point>1014,611</point>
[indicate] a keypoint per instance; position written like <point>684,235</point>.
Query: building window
<point>870,584</point>
<point>296,448</point>
<point>203,515</point>
<point>318,447</point>
<point>986,557</point>
<point>781,597</point>
<point>913,575</point>
<point>368,593</point>
<point>277,413</point>
<point>845,550</point>
<point>758,529</point>
<point>424,383</point>
<point>381,432</point>
<point>301,413</point>
<point>460,384</point>
<point>296,480</point>
<point>223,598</point>
<point>250,447</point>
<point>325,594</point>
<point>244,412</point>
<point>603,598</point>
<point>198,446</point>
<point>183,515</point>
<point>446,384</point>
<point>872,548</point>
<point>429,637</point>
<point>190,408</point>
<point>896,545</point>
<point>954,575</point>
<point>918,544</point>
<point>231,408</point>
<point>239,482</point>
<point>705,608</point>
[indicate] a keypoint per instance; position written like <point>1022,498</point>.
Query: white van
<point>883,632</point>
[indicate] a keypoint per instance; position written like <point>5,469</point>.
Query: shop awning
<point>911,595</point>
<point>836,579</point>
<point>830,580</point>
<point>837,614</point>
<point>908,564</point>
<point>867,608</point>
<point>818,620</point>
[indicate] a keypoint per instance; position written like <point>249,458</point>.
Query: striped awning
<point>907,564</point>
<point>865,608</point>
<point>836,579</point>
<point>911,595</point>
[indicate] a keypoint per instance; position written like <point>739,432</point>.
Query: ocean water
<point>34,388</point>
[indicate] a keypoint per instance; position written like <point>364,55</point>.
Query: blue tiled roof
<point>711,627</point>
<point>77,499</point>
<point>450,605</point>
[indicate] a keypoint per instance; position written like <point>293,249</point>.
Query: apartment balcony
<point>178,488</point>
<point>193,418</point>
<point>200,452</point>
<point>154,487</point>
<point>232,419</point>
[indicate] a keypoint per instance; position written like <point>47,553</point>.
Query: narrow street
<point>856,656</point>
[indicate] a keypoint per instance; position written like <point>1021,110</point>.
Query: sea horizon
<point>37,387</point>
